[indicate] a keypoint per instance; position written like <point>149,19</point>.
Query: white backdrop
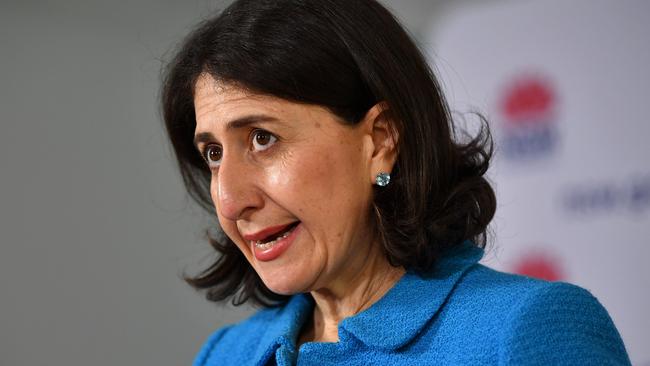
<point>565,86</point>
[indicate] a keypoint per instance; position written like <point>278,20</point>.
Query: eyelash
<point>252,138</point>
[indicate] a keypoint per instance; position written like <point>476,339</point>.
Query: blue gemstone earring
<point>382,179</point>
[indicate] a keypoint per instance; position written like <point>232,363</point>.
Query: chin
<point>285,283</point>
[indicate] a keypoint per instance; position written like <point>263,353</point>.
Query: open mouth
<point>272,239</point>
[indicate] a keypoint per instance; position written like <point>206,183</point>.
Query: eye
<point>212,155</point>
<point>262,140</point>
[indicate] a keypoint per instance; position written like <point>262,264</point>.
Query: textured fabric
<point>462,313</point>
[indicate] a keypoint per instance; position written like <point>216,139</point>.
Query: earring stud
<point>382,179</point>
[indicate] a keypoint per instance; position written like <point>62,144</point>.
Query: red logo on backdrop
<point>540,265</point>
<point>528,109</point>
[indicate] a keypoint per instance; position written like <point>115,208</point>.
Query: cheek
<point>323,185</point>
<point>213,190</point>
<point>304,180</point>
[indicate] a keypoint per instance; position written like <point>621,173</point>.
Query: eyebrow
<point>234,124</point>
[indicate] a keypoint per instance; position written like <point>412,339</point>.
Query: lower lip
<point>278,248</point>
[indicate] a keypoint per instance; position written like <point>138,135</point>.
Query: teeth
<point>269,244</point>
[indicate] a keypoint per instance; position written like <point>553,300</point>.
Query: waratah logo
<point>528,112</point>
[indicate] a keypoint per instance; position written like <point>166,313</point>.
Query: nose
<point>235,190</point>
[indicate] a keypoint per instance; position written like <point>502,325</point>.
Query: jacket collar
<point>413,301</point>
<point>282,327</point>
<point>404,310</point>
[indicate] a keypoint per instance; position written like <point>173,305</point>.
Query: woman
<point>347,207</point>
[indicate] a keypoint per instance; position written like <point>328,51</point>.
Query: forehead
<point>216,100</point>
<point>216,103</point>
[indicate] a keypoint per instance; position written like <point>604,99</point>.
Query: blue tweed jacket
<point>462,313</point>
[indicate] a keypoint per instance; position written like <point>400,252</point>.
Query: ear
<point>380,127</point>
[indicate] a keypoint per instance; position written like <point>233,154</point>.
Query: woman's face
<point>291,184</point>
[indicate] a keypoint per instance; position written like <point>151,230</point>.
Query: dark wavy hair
<point>345,55</point>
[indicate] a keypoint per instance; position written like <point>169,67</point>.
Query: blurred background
<point>96,228</point>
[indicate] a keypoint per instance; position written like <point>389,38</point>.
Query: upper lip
<point>265,233</point>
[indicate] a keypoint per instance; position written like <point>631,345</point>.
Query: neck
<point>350,294</point>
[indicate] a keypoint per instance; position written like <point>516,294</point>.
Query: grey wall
<point>95,225</point>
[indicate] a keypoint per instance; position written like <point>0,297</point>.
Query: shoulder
<point>561,323</point>
<point>544,322</point>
